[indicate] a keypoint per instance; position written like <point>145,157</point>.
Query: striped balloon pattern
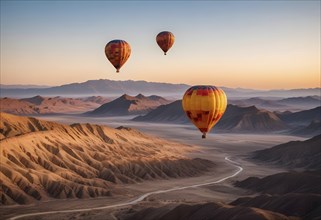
<point>204,106</point>
<point>117,52</point>
<point>165,40</point>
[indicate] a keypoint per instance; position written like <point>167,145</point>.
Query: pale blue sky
<point>253,44</point>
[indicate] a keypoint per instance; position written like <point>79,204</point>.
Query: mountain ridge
<point>129,105</point>
<point>235,118</point>
<point>112,87</point>
<point>42,160</point>
<point>50,105</point>
<point>294,154</point>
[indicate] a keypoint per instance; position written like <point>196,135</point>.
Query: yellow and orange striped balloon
<point>165,40</point>
<point>204,106</point>
<point>117,52</point>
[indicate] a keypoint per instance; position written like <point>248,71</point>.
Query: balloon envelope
<point>165,40</point>
<point>117,52</point>
<point>204,106</point>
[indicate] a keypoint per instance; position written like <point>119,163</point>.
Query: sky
<point>238,44</point>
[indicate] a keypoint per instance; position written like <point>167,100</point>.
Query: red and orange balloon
<point>117,52</point>
<point>165,40</point>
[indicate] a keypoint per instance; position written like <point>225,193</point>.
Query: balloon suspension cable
<point>204,135</point>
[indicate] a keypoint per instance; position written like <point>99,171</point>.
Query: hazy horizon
<point>259,45</point>
<point>43,86</point>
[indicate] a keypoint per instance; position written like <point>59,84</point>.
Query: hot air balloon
<point>204,106</point>
<point>165,40</point>
<point>117,52</point>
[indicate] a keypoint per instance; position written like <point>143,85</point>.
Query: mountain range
<point>301,118</point>
<point>283,104</point>
<point>105,87</point>
<point>239,119</point>
<point>102,87</point>
<point>245,119</point>
<point>157,109</point>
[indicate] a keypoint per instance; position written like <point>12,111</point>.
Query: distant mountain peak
<point>37,97</point>
<point>126,96</point>
<point>252,108</point>
<point>127,104</point>
<point>37,100</point>
<point>140,96</point>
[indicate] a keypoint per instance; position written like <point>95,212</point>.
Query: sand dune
<point>127,105</point>
<point>208,211</point>
<point>50,105</point>
<point>42,160</point>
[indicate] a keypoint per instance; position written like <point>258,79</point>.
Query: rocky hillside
<point>282,183</point>
<point>250,119</point>
<point>306,206</point>
<point>303,117</point>
<point>208,211</point>
<point>43,160</point>
<point>294,154</point>
<point>170,113</point>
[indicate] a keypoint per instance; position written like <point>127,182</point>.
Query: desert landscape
<point>137,157</point>
<point>160,110</point>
